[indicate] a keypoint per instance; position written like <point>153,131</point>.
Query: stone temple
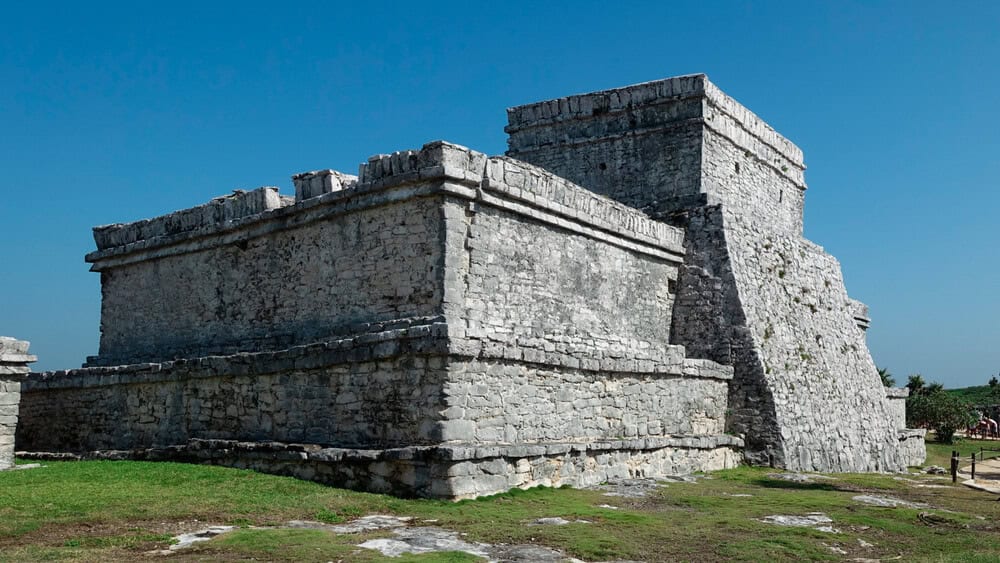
<point>627,292</point>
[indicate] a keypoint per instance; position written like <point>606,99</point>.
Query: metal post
<point>954,466</point>
<point>973,465</point>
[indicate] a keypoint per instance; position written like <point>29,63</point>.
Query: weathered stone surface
<point>14,360</point>
<point>752,292</point>
<point>887,502</point>
<point>450,324</point>
<point>815,520</point>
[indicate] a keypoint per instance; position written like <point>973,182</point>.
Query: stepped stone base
<point>395,411</point>
<point>456,471</point>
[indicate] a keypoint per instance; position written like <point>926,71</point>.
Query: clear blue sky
<point>117,112</point>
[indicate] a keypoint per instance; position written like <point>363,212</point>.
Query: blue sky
<point>114,112</point>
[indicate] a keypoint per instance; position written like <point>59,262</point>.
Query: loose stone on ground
<point>815,520</point>
<point>638,488</point>
<point>887,502</point>
<point>363,524</point>
<point>407,539</point>
<point>557,521</point>
<point>424,540</point>
<point>185,541</point>
<point>800,477</point>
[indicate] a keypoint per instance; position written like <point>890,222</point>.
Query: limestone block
<point>319,182</point>
<point>14,360</point>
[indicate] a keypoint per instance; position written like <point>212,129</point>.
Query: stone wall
<point>377,391</point>
<point>446,325</point>
<point>520,403</point>
<point>912,443</point>
<point>897,404</point>
<point>752,293</point>
<point>14,360</point>
<point>271,282</point>
<point>813,354</point>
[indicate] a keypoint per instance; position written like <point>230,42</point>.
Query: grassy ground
<point>100,511</point>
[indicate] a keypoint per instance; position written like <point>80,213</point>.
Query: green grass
<point>107,511</point>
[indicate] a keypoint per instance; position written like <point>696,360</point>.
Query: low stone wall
<point>454,471</point>
<point>14,360</point>
<point>912,446</point>
<point>374,390</point>
<point>896,397</point>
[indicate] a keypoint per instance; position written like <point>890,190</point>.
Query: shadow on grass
<point>782,484</point>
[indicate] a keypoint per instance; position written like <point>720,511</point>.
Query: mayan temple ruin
<point>627,292</point>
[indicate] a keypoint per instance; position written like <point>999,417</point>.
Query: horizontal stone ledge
<point>670,250</point>
<point>605,102</point>
<point>425,340</point>
<point>309,211</point>
<point>637,99</point>
<point>11,358</point>
<point>667,244</point>
<point>670,362</point>
<point>897,392</point>
<point>433,339</point>
<point>207,449</point>
<point>18,370</point>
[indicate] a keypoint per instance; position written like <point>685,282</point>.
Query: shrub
<point>941,412</point>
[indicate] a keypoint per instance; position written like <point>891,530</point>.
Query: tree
<point>887,379</point>
<point>932,407</point>
<point>915,384</point>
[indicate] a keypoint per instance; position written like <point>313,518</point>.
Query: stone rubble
<point>815,520</point>
<point>186,540</point>
<point>407,538</point>
<point>800,477</point>
<point>556,521</point>
<point>424,540</point>
<point>887,502</point>
<point>364,524</point>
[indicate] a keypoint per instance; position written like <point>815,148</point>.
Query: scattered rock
<point>684,478</point>
<point>799,477</point>
<point>935,470</point>
<point>608,506</point>
<point>629,488</point>
<point>835,549</point>
<point>814,520</point>
<point>557,521</point>
<point>737,495</point>
<point>863,543</point>
<point>887,502</point>
<point>363,524</point>
<point>933,486</point>
<point>424,540</point>
<point>184,541</point>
